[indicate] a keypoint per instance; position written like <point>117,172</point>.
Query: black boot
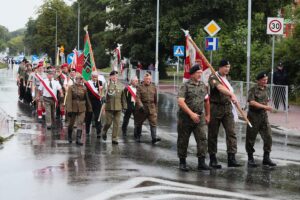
<point>155,139</point>
<point>251,161</point>
<point>70,132</point>
<point>98,129</point>
<point>202,165</point>
<point>214,162</point>
<point>137,133</point>
<point>182,165</point>
<point>231,160</point>
<point>78,137</point>
<point>87,130</point>
<point>267,160</point>
<point>124,130</point>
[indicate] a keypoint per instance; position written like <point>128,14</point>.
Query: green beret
<point>195,68</point>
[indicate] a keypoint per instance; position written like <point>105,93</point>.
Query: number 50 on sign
<point>275,26</point>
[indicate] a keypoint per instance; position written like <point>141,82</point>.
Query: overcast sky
<point>14,14</point>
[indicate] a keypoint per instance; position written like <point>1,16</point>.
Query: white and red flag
<point>192,57</point>
<point>116,63</point>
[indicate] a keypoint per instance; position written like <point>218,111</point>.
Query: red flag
<point>80,63</point>
<point>193,57</point>
<point>117,58</point>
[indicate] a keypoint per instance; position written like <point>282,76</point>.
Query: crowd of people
<point>62,91</point>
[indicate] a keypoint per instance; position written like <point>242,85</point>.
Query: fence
<point>128,73</point>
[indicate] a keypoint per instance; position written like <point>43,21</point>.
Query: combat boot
<point>231,161</point>
<point>98,132</point>
<point>182,165</point>
<point>155,139</point>
<point>70,132</point>
<point>87,130</point>
<point>214,162</point>
<point>78,137</point>
<point>138,133</point>
<point>202,165</point>
<point>267,160</point>
<point>251,161</point>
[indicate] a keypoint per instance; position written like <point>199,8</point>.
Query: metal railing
<point>128,73</point>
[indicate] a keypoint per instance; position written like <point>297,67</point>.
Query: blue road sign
<point>178,50</point>
<point>211,43</point>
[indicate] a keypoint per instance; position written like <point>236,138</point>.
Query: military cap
<point>261,75</point>
<point>49,70</point>
<point>41,64</point>
<point>195,68</point>
<point>113,73</point>
<point>78,75</point>
<point>64,65</point>
<point>95,73</point>
<point>224,63</point>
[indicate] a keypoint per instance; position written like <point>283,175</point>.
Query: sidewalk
<point>279,120</point>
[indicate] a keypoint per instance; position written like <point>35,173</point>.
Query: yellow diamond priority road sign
<point>212,28</point>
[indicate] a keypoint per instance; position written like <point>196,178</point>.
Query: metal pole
<point>177,71</point>
<point>55,36</point>
<point>156,48</point>
<point>272,70</point>
<point>78,38</point>
<point>211,57</point>
<point>248,46</point>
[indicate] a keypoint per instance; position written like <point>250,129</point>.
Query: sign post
<point>274,27</point>
<point>178,51</point>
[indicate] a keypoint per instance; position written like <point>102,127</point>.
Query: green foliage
<point>16,45</point>
<point>4,35</point>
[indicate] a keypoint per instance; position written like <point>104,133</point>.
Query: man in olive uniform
<point>77,104</point>
<point>257,115</point>
<point>221,96</point>
<point>115,103</point>
<point>146,108</point>
<point>192,98</point>
<point>130,93</point>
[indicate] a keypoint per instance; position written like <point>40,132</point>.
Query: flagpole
<point>214,72</point>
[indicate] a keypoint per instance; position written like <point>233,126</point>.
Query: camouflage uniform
<point>146,108</point>
<point>77,103</point>
<point>259,120</point>
<point>115,103</point>
<point>220,112</point>
<point>194,95</point>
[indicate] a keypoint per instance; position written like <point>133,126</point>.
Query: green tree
<point>16,45</point>
<point>4,35</point>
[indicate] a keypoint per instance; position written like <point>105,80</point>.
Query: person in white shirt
<point>48,89</point>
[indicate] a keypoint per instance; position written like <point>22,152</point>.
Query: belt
<point>256,110</point>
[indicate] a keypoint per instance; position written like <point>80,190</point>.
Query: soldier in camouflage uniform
<point>221,112</point>
<point>257,115</point>
<point>115,103</point>
<point>192,98</point>
<point>146,108</point>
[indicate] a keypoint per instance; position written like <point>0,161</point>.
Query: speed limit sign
<point>275,26</point>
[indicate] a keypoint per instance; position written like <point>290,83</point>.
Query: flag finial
<point>186,32</point>
<point>86,28</point>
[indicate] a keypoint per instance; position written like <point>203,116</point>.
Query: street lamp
<point>78,22</point>
<point>55,37</point>
<point>156,49</point>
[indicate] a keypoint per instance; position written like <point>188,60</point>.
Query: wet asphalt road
<point>38,163</point>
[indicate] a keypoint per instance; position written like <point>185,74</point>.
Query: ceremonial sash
<point>132,92</point>
<point>92,89</point>
<point>63,76</point>
<point>229,87</point>
<point>47,88</point>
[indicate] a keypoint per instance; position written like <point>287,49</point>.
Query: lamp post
<point>55,37</point>
<point>156,49</point>
<point>249,46</point>
<point>78,26</point>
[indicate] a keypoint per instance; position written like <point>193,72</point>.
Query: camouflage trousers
<point>260,125</point>
<point>184,129</point>
<point>221,114</point>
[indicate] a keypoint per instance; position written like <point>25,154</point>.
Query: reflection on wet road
<point>38,163</point>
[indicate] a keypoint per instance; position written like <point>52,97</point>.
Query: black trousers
<point>96,106</point>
